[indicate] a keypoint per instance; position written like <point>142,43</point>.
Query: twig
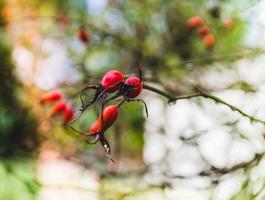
<point>215,173</point>
<point>121,39</point>
<point>205,95</point>
<point>245,165</point>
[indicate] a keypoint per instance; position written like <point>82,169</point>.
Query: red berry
<point>136,86</point>
<point>209,41</point>
<point>94,128</point>
<point>51,97</point>
<point>111,79</point>
<point>194,22</point>
<point>82,35</point>
<point>204,30</point>
<point>110,114</point>
<point>68,114</point>
<point>58,108</point>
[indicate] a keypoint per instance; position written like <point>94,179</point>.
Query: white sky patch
<point>96,6</point>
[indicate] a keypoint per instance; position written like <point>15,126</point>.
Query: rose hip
<point>136,86</point>
<point>83,36</point>
<point>110,114</point>
<point>58,108</point>
<point>51,97</point>
<point>194,22</point>
<point>68,114</point>
<point>204,30</point>
<point>209,41</point>
<point>110,81</point>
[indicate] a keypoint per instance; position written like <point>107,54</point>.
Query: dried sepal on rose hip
<point>96,131</point>
<point>105,120</point>
<point>111,82</point>
<point>125,88</point>
<point>130,89</point>
<point>114,82</point>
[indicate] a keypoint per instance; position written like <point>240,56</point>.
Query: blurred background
<point>192,149</point>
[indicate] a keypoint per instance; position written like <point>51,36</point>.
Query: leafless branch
<point>203,94</point>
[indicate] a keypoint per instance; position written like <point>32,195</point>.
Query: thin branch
<point>216,173</point>
<point>121,39</point>
<point>245,165</point>
<point>204,95</point>
<point>221,56</point>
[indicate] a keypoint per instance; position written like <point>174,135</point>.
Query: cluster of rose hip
<point>60,106</point>
<point>203,31</point>
<point>113,86</point>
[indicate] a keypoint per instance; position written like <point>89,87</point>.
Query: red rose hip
<point>51,97</point>
<point>58,108</point>
<point>94,128</point>
<point>194,22</point>
<point>111,80</point>
<point>82,35</point>
<point>136,86</point>
<point>68,115</point>
<point>110,114</point>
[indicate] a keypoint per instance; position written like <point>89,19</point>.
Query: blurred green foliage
<point>17,126</point>
<point>17,133</point>
<point>18,181</point>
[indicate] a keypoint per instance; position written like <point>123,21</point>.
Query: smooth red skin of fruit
<point>209,41</point>
<point>68,115</point>
<point>110,79</point>
<point>110,114</point>
<point>94,128</point>
<point>51,97</point>
<point>136,86</point>
<point>58,108</point>
<point>194,22</point>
